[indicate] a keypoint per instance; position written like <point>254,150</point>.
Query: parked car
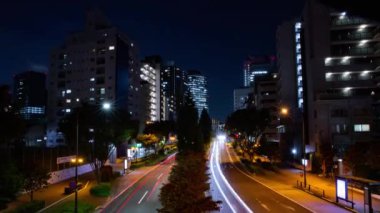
<point>71,188</point>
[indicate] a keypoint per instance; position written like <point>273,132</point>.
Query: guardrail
<point>317,191</point>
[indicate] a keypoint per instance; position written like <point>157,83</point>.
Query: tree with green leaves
<point>35,177</point>
<point>248,125</point>
<point>11,182</point>
<point>188,129</point>
<point>187,187</point>
<point>161,129</point>
<point>150,141</point>
<point>98,130</point>
<point>205,125</point>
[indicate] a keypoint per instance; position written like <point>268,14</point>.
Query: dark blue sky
<point>212,36</point>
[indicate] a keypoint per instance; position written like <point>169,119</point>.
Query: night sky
<point>212,36</point>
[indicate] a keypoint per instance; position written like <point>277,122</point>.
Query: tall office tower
<point>29,99</point>
<point>95,65</point>
<point>241,96</point>
<point>197,84</point>
<point>342,60</point>
<point>256,66</point>
<point>29,95</point>
<point>150,73</point>
<point>173,89</point>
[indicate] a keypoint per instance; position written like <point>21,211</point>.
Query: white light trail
<point>217,182</point>
<point>229,186</point>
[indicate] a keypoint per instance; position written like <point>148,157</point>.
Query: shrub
<point>33,206</point>
<point>101,190</point>
<point>82,207</point>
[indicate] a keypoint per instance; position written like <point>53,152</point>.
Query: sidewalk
<point>328,185</point>
<point>54,192</point>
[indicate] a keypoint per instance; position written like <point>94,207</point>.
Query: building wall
<point>197,85</point>
<point>29,95</point>
<point>341,58</point>
<point>241,97</point>
<point>93,66</point>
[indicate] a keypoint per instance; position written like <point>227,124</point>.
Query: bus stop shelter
<point>368,187</point>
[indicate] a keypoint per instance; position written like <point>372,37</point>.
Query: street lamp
<point>285,112</point>
<point>106,106</point>
<point>76,165</point>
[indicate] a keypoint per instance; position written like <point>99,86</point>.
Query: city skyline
<point>186,40</point>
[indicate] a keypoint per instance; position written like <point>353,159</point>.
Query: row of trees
<point>188,183</point>
<point>247,127</point>
<point>15,175</point>
<point>98,132</point>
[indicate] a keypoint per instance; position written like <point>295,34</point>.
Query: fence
<point>317,191</point>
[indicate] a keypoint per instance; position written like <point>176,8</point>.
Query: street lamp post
<point>76,165</point>
<point>304,151</point>
<point>285,112</point>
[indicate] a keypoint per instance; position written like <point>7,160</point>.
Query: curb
<point>62,199</point>
<point>330,201</point>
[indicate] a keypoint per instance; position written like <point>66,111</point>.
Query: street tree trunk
<point>31,195</point>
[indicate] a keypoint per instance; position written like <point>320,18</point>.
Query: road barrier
<point>317,191</point>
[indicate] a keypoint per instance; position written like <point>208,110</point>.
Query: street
<point>241,193</point>
<point>143,195</point>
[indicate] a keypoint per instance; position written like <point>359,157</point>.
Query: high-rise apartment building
<point>290,51</point>
<point>150,73</point>
<point>339,54</point>
<point>29,95</point>
<point>197,85</point>
<point>256,66</point>
<point>95,65</point>
<point>173,88</point>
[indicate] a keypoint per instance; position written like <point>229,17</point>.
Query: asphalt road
<point>238,191</point>
<point>142,197</point>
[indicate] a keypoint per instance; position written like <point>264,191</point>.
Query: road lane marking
<point>228,184</point>
<point>265,207</point>
<point>288,207</point>
<point>64,198</point>
<point>157,183</point>
<point>160,176</point>
<point>254,179</point>
<point>134,182</point>
<point>142,197</point>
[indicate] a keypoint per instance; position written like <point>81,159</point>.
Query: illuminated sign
<point>341,189</point>
<point>125,164</point>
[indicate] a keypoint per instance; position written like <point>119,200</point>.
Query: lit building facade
<point>150,72</point>
<point>29,95</point>
<point>173,88</point>
<point>256,66</point>
<point>197,85</point>
<point>241,97</point>
<point>93,66</point>
<point>342,59</point>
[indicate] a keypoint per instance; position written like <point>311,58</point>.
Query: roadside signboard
<point>65,159</point>
<point>341,189</point>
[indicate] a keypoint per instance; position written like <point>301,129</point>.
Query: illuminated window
<point>362,128</point>
<point>111,47</point>
<point>92,79</point>
<point>68,91</point>
<point>68,100</point>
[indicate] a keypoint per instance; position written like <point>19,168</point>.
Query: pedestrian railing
<point>317,191</point>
